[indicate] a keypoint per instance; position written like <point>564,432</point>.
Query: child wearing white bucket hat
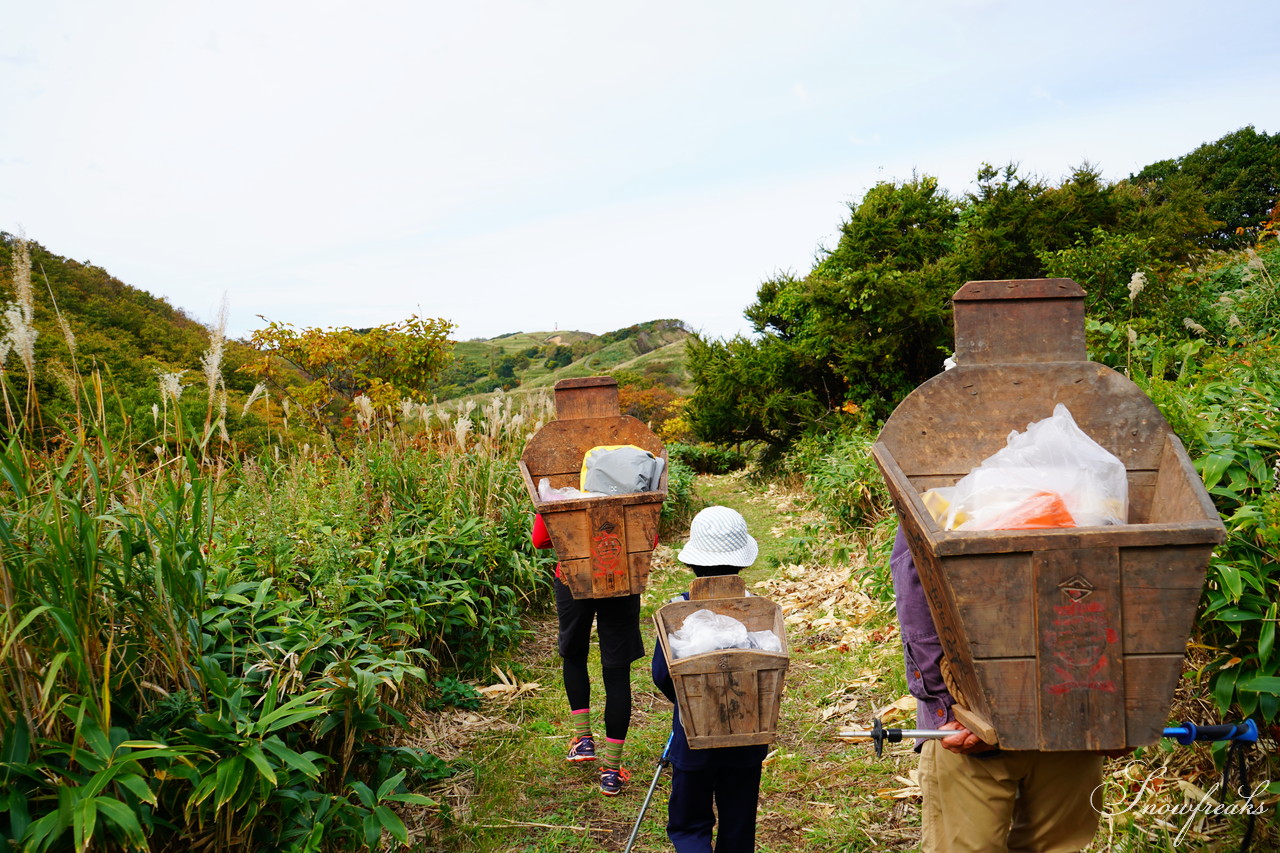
<point>718,539</point>
<point>729,777</point>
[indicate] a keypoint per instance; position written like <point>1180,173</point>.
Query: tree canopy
<point>1238,176</point>
<point>321,369</point>
<point>871,319</point>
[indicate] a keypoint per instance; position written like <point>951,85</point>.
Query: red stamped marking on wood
<point>1078,641</point>
<point>606,550</point>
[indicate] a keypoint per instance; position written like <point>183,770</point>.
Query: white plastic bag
<point>706,631</point>
<point>765,641</point>
<point>1052,456</point>
<point>565,493</point>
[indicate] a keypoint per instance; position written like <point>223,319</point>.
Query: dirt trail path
<point>817,794</point>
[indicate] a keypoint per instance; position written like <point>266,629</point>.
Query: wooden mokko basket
<point>729,697</point>
<point>1058,639</point>
<point>604,544</point>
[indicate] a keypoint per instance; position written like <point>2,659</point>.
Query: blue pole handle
<point>1187,733</point>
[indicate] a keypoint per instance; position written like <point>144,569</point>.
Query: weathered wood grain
<point>1068,638</point>
<point>603,543</point>
<point>729,697</point>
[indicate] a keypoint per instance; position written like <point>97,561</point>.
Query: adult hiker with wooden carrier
<point>603,540</point>
<point>721,657</point>
<point>1042,647</point>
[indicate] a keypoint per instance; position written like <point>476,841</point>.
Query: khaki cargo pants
<point>1012,801</point>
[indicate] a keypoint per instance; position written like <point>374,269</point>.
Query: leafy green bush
<point>1221,401</point>
<point>708,458</point>
<point>842,477</point>
<point>682,502</point>
<point>219,662</point>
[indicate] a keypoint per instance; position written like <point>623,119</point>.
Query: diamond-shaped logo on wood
<point>1076,587</point>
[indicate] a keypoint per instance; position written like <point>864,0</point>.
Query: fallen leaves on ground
<point>909,789</point>
<point>508,686</point>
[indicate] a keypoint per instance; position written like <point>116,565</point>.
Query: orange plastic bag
<point>1042,509</point>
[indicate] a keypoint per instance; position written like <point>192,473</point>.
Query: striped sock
<point>612,753</point>
<point>581,720</point>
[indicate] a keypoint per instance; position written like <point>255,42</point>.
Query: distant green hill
<point>123,334</point>
<point>652,351</point>
<point>128,336</point>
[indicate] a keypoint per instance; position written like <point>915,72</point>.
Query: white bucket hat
<point>718,537</point>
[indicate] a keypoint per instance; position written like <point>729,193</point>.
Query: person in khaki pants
<point>977,798</point>
<point>1014,801</point>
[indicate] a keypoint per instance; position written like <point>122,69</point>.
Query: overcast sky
<point>521,166</point>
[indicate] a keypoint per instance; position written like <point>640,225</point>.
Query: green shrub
<point>708,458</point>
<point>221,662</point>
<point>842,477</point>
<point>682,502</point>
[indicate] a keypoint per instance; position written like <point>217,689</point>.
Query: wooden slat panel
<point>725,660</point>
<point>586,397</point>
<point>960,417</point>
<point>743,702</point>
<point>1161,590</point>
<point>1080,666</point>
<point>642,521</point>
<point>576,574</point>
<point>756,612</point>
<point>719,586</point>
<point>994,602</point>
<point>769,685</point>
<point>559,446</point>
<point>1142,488</point>
<point>1019,320</point>
<point>1150,684</point>
<point>694,708</point>
<point>639,576</point>
<point>719,741</point>
<point>958,543</point>
<point>570,534</point>
<point>610,566</point>
<point>1180,493</point>
<point>1008,688</point>
<point>713,719</point>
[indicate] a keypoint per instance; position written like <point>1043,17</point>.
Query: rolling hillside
<point>652,351</point>
<point>131,336</point>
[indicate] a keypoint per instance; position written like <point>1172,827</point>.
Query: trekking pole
<point>663,761</point>
<point>1186,733</point>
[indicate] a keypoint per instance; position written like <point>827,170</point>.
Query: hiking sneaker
<point>611,780</point>
<point>582,749</point>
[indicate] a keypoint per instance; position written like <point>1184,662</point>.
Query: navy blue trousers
<point>690,819</point>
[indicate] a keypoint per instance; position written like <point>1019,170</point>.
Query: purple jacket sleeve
<point>921,647</point>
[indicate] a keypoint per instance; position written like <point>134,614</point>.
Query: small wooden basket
<point>604,544</point>
<point>729,697</point>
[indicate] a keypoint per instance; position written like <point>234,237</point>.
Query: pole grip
<point>1188,733</point>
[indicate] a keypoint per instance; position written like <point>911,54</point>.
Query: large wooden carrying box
<point>1057,639</point>
<point>604,544</point>
<point>729,697</point>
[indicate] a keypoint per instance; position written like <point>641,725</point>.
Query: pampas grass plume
<point>1136,284</point>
